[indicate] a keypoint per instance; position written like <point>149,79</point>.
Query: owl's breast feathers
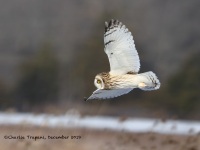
<point>118,81</point>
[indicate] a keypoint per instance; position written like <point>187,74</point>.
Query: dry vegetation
<point>95,140</point>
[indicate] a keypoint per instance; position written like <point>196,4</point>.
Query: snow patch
<point>101,123</point>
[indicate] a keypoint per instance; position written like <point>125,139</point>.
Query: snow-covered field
<point>102,123</point>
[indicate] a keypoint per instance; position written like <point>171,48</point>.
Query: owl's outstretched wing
<point>106,94</point>
<point>120,48</point>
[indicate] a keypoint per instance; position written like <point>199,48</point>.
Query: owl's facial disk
<point>98,82</point>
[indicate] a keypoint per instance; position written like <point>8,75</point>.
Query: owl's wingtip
<point>110,24</point>
<point>85,99</point>
<point>106,24</point>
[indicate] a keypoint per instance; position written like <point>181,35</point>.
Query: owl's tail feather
<point>148,81</point>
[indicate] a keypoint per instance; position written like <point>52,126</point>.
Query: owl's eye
<point>98,81</point>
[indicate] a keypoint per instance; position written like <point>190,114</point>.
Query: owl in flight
<point>124,65</point>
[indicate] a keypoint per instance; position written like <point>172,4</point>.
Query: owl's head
<point>99,82</point>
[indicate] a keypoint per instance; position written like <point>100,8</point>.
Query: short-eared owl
<point>124,65</point>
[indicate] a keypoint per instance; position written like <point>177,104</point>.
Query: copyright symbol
<point>5,137</point>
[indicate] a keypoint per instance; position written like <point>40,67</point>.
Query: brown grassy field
<point>91,140</point>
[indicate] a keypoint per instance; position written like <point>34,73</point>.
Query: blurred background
<point>50,52</point>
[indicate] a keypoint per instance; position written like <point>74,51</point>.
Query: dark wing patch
<point>109,33</point>
<point>112,24</point>
<point>109,42</point>
<point>131,72</point>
